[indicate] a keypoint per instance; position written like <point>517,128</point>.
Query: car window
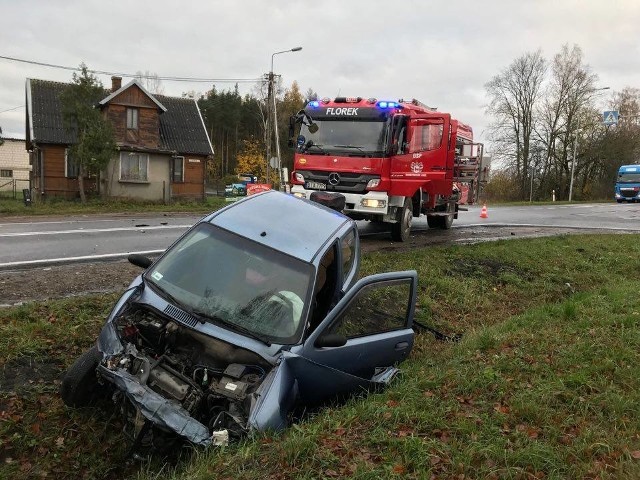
<point>325,288</point>
<point>378,308</point>
<point>348,251</point>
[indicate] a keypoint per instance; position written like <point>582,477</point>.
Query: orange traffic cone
<point>483,212</point>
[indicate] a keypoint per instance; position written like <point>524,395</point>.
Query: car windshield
<point>355,137</point>
<point>235,282</point>
<point>629,178</point>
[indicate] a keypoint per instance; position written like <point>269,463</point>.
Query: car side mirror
<point>139,260</point>
<point>331,340</point>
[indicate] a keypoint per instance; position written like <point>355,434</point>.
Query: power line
<point>122,74</point>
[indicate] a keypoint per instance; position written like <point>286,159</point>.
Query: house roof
<point>181,126</point>
<point>107,99</point>
<point>44,113</point>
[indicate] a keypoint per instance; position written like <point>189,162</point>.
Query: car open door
<point>367,331</point>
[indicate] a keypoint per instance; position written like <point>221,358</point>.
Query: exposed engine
<point>211,379</point>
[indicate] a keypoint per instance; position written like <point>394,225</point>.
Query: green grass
<point>11,207</point>
<point>544,384</point>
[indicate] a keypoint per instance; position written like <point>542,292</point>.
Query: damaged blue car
<point>255,311</point>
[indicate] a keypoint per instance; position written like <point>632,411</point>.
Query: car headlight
<point>373,183</point>
<point>300,195</point>
<point>299,177</point>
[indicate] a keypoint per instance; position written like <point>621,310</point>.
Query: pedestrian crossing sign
<point>610,117</point>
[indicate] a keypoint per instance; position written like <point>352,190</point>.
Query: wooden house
<point>162,142</point>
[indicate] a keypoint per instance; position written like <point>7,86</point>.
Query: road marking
<point>95,230</point>
<point>65,221</point>
<point>104,256</point>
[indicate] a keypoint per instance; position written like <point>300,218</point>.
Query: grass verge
<point>11,207</point>
<point>544,384</point>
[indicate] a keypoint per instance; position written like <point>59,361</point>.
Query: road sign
<point>273,162</point>
<point>610,117</point>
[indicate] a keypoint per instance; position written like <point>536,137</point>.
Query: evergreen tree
<point>95,146</point>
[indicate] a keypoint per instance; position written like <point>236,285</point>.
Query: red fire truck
<point>391,160</point>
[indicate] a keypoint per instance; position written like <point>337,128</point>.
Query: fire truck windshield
<point>349,136</point>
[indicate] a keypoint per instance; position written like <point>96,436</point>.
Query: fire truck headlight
<point>373,183</point>
<point>299,177</point>
<point>300,195</point>
<point>371,203</point>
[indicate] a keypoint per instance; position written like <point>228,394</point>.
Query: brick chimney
<point>116,83</point>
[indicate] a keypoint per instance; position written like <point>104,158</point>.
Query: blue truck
<point>628,184</point>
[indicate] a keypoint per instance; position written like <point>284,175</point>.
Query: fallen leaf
<point>59,442</point>
<point>635,454</point>
<point>399,469</point>
<point>35,428</point>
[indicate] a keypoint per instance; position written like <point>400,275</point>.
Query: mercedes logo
<point>334,178</point>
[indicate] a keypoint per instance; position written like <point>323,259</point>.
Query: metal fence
<point>12,187</point>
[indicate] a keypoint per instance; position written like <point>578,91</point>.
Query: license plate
<point>316,186</point>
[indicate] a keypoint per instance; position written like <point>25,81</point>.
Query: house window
<point>6,173</point>
<point>71,166</point>
<point>177,169</point>
<point>132,118</point>
<point>134,166</point>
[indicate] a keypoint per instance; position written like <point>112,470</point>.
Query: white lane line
<point>94,230</point>
<point>61,221</point>
<point>75,259</point>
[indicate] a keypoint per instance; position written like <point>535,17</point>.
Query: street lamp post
<point>273,118</point>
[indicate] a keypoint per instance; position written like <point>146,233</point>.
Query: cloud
<point>441,53</point>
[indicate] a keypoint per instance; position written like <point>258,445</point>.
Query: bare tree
<point>567,108</point>
<point>150,81</point>
<point>514,94</point>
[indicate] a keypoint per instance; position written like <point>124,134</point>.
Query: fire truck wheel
<point>402,228</point>
<point>447,221</point>
<point>442,221</point>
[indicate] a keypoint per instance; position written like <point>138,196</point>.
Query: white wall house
<point>14,165</point>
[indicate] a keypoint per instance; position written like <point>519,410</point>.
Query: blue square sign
<point>610,117</point>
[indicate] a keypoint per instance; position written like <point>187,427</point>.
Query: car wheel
<point>619,201</point>
<point>80,383</point>
<point>401,230</point>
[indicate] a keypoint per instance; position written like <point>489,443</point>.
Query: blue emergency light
<point>314,104</point>
<point>384,104</point>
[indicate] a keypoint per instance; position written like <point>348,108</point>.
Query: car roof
<point>283,222</point>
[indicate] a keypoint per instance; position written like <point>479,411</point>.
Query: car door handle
<point>402,345</point>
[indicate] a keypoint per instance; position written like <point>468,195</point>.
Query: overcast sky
<point>440,52</point>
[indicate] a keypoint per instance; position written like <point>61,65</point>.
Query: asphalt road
<point>33,241</point>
